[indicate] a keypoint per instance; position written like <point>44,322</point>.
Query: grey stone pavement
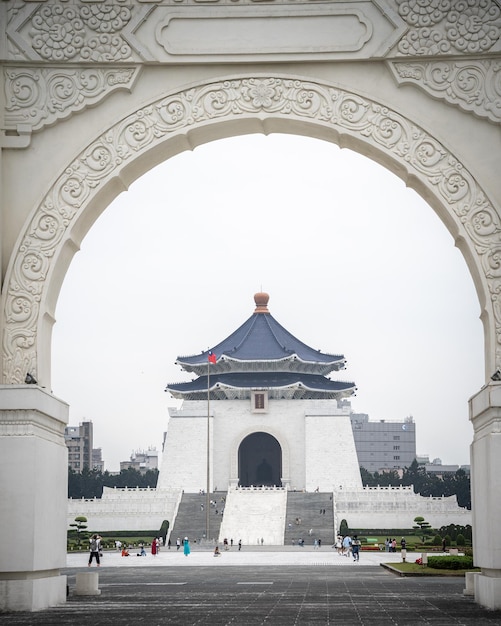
<point>273,586</point>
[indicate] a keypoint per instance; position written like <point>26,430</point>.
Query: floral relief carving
<point>472,86</point>
<point>424,12</point>
<point>58,32</point>
<point>449,26</point>
<point>73,32</point>
<point>258,97</point>
<point>473,25</point>
<point>40,97</point>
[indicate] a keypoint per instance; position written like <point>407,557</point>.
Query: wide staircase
<point>191,517</point>
<point>308,509</point>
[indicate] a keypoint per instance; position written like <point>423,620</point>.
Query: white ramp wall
<point>254,514</point>
<point>396,507</point>
<point>127,509</point>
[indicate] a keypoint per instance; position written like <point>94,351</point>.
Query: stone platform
<point>297,586</point>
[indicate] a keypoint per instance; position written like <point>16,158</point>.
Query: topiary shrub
<point>450,562</point>
<point>437,540</point>
<point>460,540</point>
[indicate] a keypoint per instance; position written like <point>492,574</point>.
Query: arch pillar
<point>33,484</point>
<point>485,450</point>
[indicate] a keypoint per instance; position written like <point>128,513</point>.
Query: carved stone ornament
<point>124,30</point>
<point>41,97</point>
<point>439,27</point>
<point>256,97</point>
<point>473,86</point>
<point>166,30</point>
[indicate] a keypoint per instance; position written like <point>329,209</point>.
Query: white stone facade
<point>317,453</point>
<point>315,438</point>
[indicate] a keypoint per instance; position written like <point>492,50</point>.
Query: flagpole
<point>207,502</point>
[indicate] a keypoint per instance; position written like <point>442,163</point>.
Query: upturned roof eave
<point>203,363</point>
<point>340,387</point>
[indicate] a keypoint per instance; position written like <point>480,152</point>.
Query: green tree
<point>367,477</point>
<point>90,483</point>
<point>78,530</point>
<point>164,528</point>
<point>422,525</point>
<point>457,484</point>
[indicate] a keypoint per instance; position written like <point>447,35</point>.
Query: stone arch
<point>222,108</point>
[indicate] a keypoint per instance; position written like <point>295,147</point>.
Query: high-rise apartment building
<point>79,441</point>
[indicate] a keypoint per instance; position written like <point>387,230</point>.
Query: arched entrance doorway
<point>260,461</point>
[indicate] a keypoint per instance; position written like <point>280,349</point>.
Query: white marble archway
<point>222,108</point>
<point>97,93</point>
<point>245,104</point>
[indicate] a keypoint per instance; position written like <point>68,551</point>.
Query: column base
<point>488,589</point>
<point>32,594</point>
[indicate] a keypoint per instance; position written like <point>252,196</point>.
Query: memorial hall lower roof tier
<point>279,385</point>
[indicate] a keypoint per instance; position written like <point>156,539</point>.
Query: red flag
<point>212,357</point>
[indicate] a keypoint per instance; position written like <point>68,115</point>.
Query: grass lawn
<point>413,569</point>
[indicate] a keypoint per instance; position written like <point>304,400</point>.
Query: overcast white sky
<point>354,262</point>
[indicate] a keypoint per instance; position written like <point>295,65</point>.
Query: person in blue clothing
<point>186,547</point>
<point>347,546</point>
<point>355,548</point>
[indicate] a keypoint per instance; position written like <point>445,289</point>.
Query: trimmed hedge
<point>450,562</point>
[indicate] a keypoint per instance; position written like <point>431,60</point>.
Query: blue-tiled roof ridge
<point>262,339</point>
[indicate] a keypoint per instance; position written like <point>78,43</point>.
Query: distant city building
<point>383,445</point>
<point>79,440</point>
<point>436,468</point>
<point>142,461</point>
<point>97,459</point>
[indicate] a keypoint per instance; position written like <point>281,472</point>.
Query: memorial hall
<point>262,428</point>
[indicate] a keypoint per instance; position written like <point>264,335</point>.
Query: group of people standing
<point>348,546</point>
<point>390,545</point>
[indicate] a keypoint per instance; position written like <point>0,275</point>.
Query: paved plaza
<point>282,587</point>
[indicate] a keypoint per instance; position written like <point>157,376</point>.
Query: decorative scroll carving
<point>449,26</point>
<point>259,97</point>
<point>41,97</point>
<point>473,86</point>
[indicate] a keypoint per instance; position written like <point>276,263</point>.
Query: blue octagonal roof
<point>261,340</point>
